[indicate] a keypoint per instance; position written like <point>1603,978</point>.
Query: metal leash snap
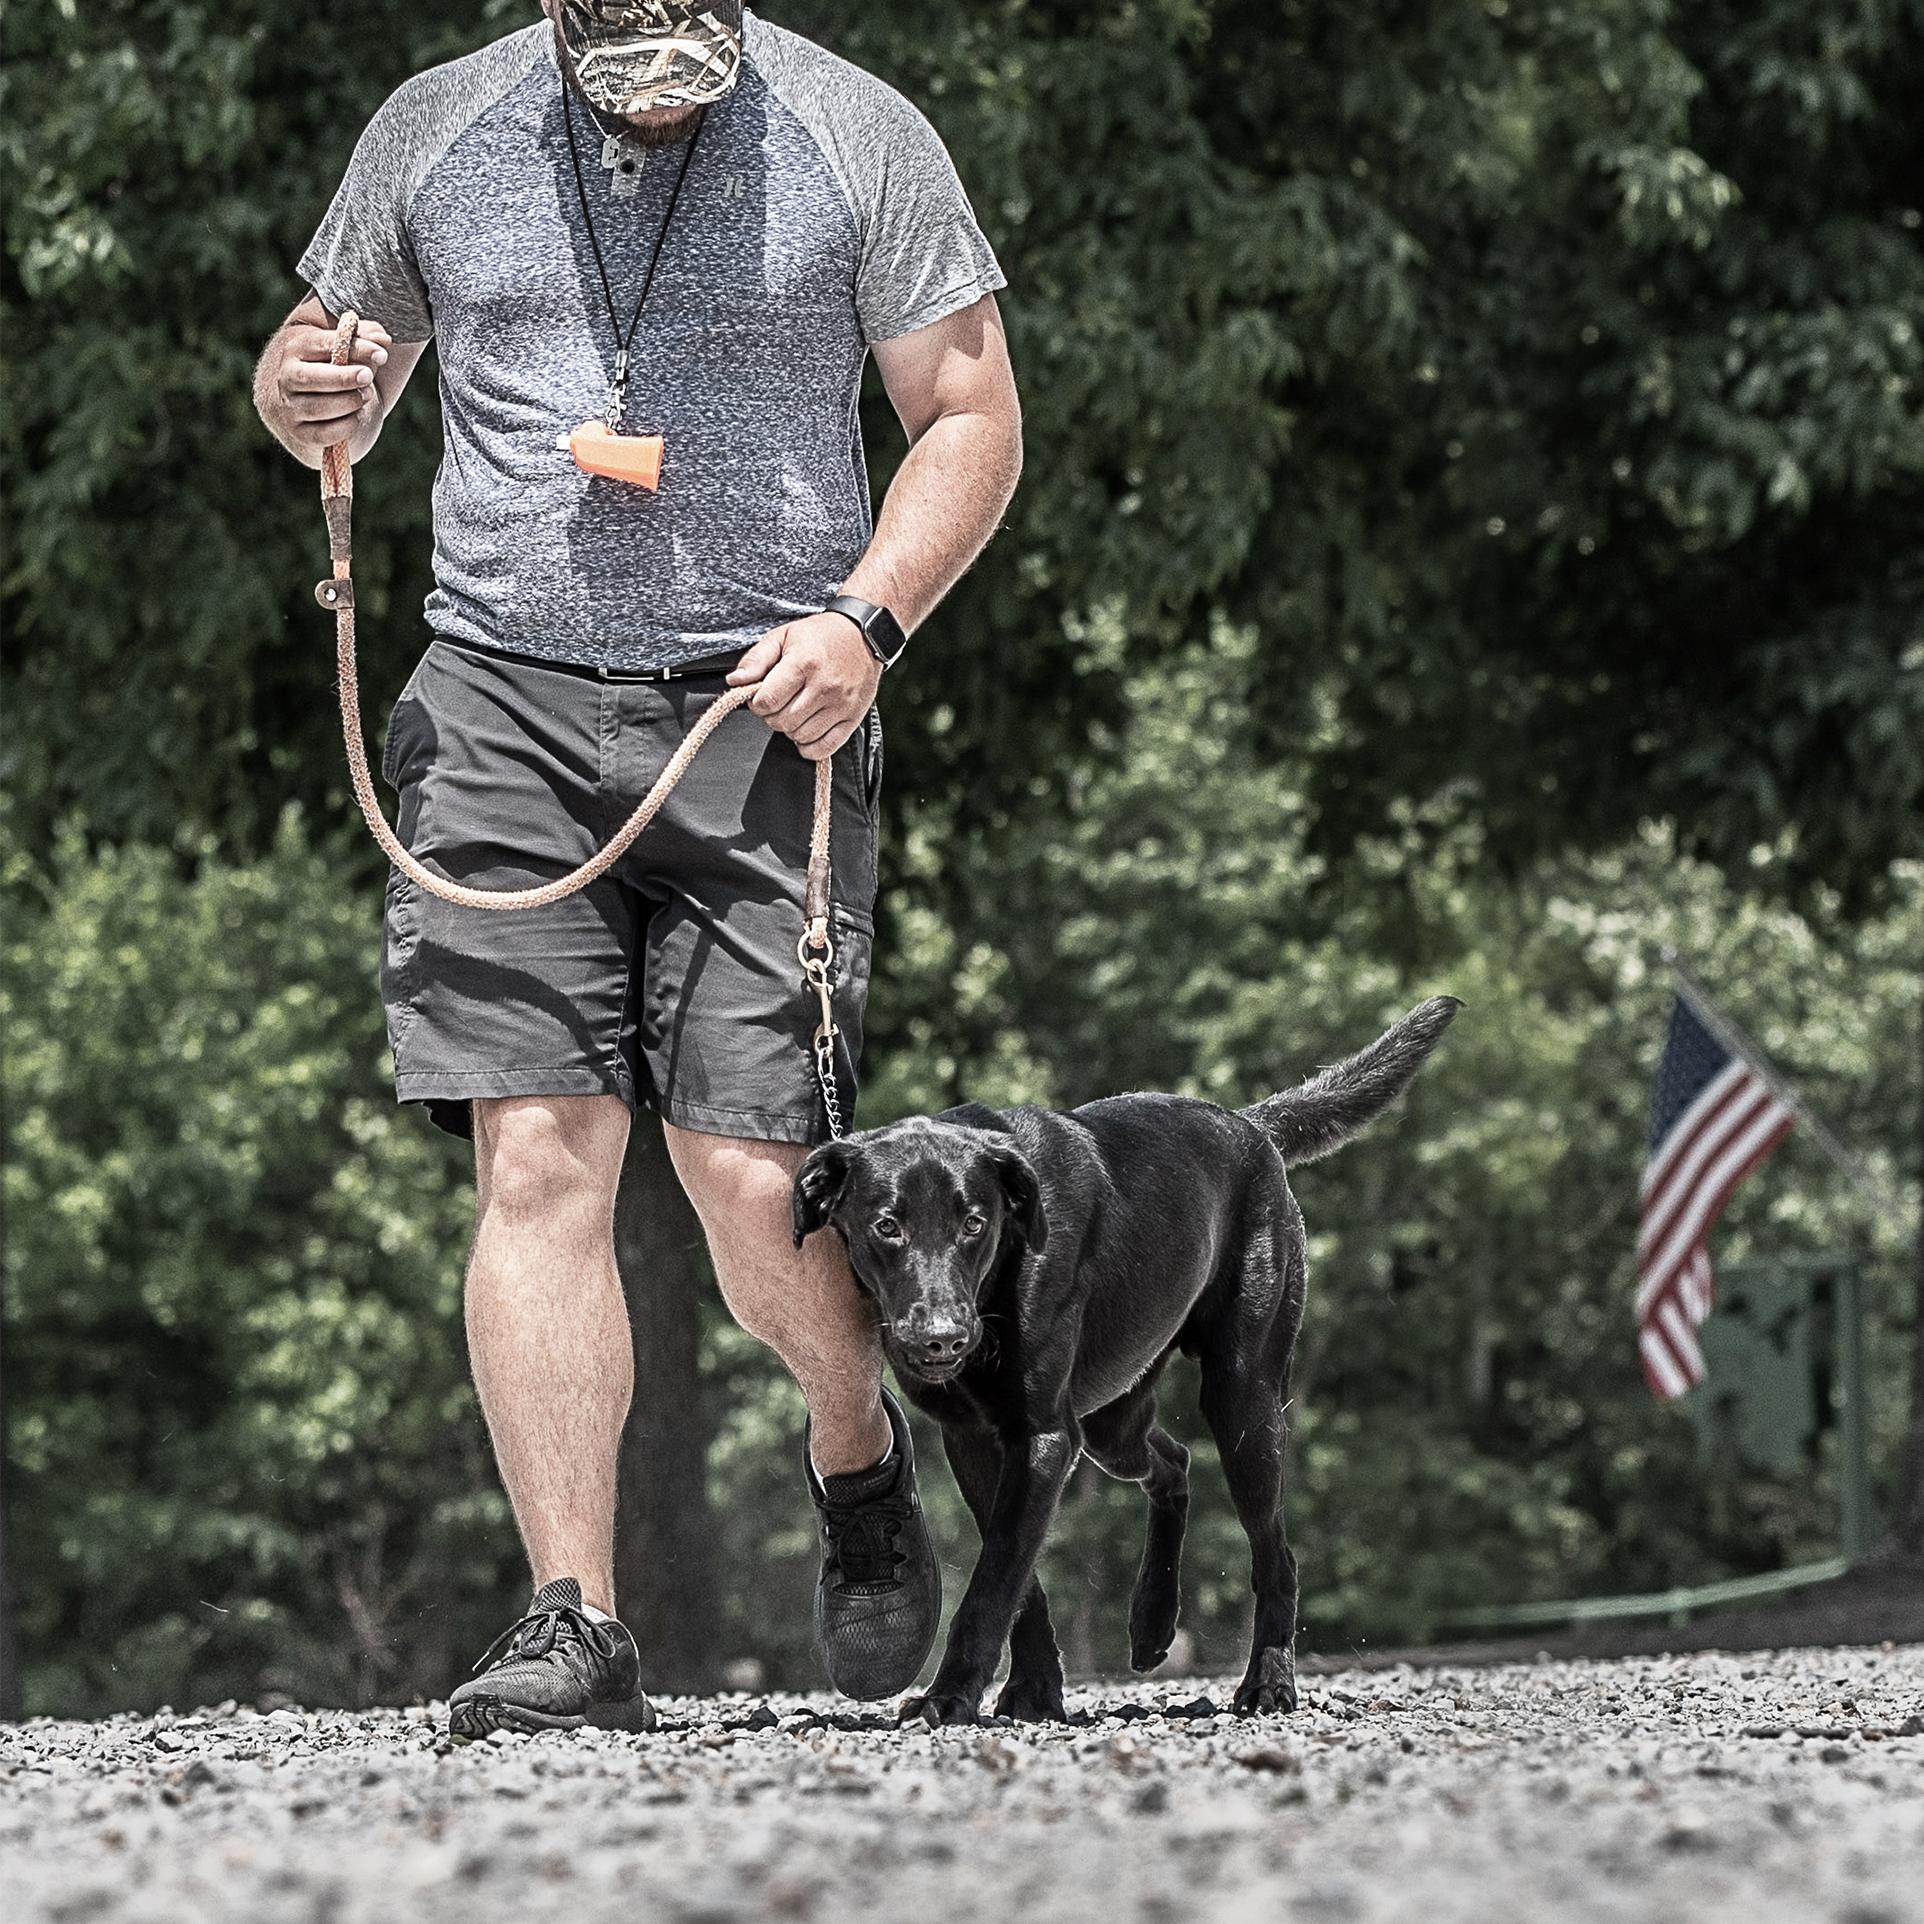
<point>816,952</point>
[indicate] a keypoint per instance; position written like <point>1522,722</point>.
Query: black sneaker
<point>557,1669</point>
<point>879,1598</point>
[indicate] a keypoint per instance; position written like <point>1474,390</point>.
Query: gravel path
<point>1690,1789</point>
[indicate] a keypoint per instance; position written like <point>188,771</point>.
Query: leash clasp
<point>816,953</point>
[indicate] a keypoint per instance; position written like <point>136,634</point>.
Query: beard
<point>660,126</point>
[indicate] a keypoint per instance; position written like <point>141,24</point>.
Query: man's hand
<point>308,403</point>
<point>817,679</point>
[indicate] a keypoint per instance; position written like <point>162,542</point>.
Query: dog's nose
<point>942,1343</point>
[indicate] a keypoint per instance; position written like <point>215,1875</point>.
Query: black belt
<point>681,671</point>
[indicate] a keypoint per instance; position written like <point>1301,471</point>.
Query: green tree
<point>1672,477</point>
<point>246,1451</point>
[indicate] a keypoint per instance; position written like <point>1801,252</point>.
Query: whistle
<point>597,449</point>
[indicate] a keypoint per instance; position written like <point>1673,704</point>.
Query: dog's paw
<point>939,1707</point>
<point>1270,1684</point>
<point>1152,1629</point>
<point>1032,1701</point>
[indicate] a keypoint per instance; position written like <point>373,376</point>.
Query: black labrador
<point>1032,1272</point>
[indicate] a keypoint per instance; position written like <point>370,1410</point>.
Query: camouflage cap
<point>633,55</point>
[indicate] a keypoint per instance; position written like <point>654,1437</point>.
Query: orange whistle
<point>619,457</point>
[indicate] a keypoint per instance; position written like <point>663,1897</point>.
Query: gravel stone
<point>1776,1789</point>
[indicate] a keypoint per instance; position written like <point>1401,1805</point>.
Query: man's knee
<point>742,1190</point>
<point>534,1155</point>
<point>735,1180</point>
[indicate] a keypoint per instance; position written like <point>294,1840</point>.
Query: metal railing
<point>1676,1604</point>
<point>1856,1524</point>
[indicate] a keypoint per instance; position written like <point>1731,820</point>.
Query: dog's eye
<point>888,1229</point>
<point>974,1223</point>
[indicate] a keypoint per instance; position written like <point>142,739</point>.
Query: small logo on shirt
<point>733,188</point>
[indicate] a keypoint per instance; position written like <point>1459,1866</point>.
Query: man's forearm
<point>945,502</point>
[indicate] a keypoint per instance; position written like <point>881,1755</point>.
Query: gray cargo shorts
<point>672,980</point>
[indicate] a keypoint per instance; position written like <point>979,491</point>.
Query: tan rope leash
<point>815,951</point>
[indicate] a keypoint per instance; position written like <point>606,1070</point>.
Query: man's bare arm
<point>954,393</point>
<point>309,404</point>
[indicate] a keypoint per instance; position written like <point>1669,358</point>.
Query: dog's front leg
<point>1034,1471</point>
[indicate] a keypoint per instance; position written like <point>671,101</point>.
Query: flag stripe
<point>1682,1339</point>
<point>1743,1101</point>
<point>1715,1189</point>
<point>1699,1289</point>
<point>1661,1370</point>
<point>1716,1093</point>
<point>1667,1363</point>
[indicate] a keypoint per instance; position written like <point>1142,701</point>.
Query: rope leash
<point>815,951</point>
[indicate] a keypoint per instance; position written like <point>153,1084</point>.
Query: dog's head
<point>928,1211</point>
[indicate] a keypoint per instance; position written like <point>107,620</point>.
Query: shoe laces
<point>560,1630</point>
<point>861,1540</point>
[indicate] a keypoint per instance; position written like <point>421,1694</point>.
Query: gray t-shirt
<point>821,213</point>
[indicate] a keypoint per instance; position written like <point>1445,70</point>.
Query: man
<point>684,221</point>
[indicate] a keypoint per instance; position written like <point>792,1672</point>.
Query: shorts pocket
<point>400,937</point>
<point>854,960</point>
<point>854,873</point>
<point>402,725</point>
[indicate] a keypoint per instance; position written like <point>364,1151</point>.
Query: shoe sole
<point>476,1718</point>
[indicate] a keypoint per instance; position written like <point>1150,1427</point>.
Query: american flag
<point>1714,1119</point>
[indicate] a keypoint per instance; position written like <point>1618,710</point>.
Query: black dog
<point>1085,1248</point>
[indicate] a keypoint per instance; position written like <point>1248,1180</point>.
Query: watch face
<point>885,635</point>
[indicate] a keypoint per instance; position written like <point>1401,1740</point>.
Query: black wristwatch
<point>880,629</point>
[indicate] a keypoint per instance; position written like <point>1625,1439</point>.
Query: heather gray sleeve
<point>362,256</point>
<point>923,256</point>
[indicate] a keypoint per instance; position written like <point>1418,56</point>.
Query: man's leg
<point>878,1599</point>
<point>548,1340</point>
<point>547,1327</point>
<point>802,1303</point>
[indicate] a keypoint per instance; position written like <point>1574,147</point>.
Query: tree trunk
<point>1905,1542</point>
<point>665,1576</point>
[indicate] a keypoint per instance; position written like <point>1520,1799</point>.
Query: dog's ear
<point>1018,1179</point>
<point>818,1187</point>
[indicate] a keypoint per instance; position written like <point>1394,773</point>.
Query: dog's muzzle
<point>932,1352</point>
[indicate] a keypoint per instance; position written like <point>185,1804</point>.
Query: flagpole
<point>1733,1038</point>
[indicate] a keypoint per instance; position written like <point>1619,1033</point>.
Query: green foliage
<point>245,1454</point>
<point>1490,361</point>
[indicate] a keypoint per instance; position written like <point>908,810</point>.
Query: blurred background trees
<point>1469,541</point>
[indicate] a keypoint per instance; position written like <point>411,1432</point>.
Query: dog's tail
<point>1318,1116</point>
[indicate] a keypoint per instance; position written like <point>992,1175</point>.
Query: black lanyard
<point>618,387</point>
